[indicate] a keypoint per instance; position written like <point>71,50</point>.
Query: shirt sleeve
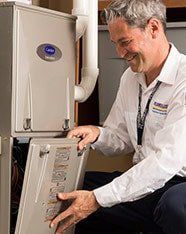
<point>114,138</point>
<point>166,160</point>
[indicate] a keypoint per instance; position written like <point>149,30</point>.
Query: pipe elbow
<point>86,26</point>
<point>87,85</point>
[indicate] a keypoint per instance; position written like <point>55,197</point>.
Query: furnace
<point>37,79</point>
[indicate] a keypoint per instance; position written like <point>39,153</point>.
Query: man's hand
<point>89,134</point>
<point>84,203</point>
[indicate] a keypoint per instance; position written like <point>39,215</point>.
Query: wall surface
<point>61,5</point>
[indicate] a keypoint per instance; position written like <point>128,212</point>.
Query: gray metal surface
<point>5,116</point>
<point>36,95</point>
<point>111,69</point>
<point>6,43</point>
<point>36,8</point>
<point>41,89</point>
<point>5,184</point>
<point>52,167</point>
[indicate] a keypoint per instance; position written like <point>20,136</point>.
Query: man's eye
<point>125,43</point>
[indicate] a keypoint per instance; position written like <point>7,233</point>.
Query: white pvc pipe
<point>80,9</point>
<point>89,71</point>
<point>90,38</point>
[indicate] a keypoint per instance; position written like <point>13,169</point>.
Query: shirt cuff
<point>96,144</point>
<point>105,196</point>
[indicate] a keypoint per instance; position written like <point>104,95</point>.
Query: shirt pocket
<point>155,121</point>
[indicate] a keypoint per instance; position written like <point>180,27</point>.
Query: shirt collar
<point>169,70</point>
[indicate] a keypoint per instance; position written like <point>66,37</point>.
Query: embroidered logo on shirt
<point>160,108</point>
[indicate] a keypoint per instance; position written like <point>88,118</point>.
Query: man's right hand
<point>88,133</point>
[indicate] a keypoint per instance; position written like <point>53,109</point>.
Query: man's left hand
<point>84,203</point>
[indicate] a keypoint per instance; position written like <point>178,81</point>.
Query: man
<point>149,118</point>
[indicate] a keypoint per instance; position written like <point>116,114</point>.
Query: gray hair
<point>136,12</point>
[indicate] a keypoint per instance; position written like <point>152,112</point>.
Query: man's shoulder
<point>127,76</point>
<point>183,60</point>
<point>182,67</point>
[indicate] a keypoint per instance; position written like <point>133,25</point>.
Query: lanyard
<point>141,119</point>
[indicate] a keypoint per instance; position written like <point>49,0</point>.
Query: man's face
<point>135,45</point>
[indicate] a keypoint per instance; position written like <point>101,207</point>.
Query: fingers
<point>68,223</point>
<point>84,133</point>
<point>61,217</point>
<point>81,131</point>
<point>66,213</point>
<point>66,196</point>
<point>88,134</point>
<point>82,144</point>
<point>76,132</point>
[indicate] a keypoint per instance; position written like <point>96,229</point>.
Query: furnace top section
<point>37,8</point>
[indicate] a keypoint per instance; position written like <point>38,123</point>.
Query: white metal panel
<point>53,166</point>
<point>43,89</point>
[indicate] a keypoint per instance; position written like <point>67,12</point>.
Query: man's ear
<point>154,26</point>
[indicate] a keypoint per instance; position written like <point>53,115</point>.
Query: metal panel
<point>42,89</point>
<point>5,116</point>
<point>6,41</point>
<point>111,69</point>
<point>5,183</point>
<point>39,90</point>
<point>52,167</point>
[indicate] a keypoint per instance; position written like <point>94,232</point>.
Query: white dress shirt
<point>163,152</point>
